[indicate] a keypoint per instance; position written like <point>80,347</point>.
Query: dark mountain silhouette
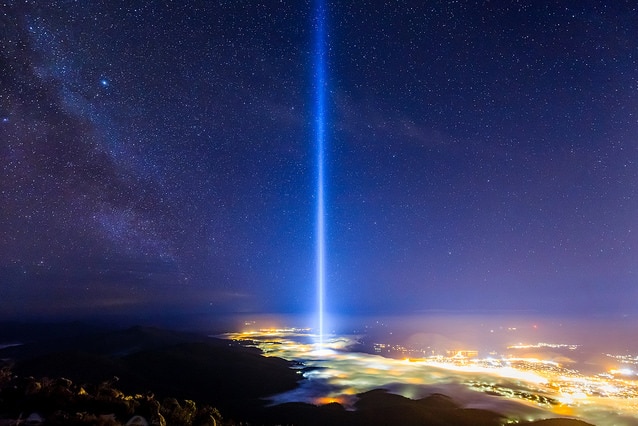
<point>380,408</point>
<point>167,363</point>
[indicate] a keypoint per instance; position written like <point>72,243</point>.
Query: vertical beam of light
<point>320,100</point>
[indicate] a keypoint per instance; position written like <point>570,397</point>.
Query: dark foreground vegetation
<point>74,375</point>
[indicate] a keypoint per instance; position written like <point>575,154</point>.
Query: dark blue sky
<point>159,158</point>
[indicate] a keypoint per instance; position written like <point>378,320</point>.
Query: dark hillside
<point>181,365</point>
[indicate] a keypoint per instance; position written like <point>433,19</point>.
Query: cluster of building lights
<point>544,345</point>
<point>568,385</point>
<point>625,359</point>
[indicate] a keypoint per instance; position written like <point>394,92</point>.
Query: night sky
<point>158,157</point>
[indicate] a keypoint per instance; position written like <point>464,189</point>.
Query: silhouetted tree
<point>207,416</point>
<point>177,414</point>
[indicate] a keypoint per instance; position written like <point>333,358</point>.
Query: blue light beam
<point>320,141</point>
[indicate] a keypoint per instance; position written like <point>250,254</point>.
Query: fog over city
<point>521,366</point>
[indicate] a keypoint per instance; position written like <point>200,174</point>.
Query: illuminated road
<point>519,388</point>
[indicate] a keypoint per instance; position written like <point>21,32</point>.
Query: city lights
<point>546,386</point>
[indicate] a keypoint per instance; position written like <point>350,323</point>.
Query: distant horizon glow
<point>320,81</point>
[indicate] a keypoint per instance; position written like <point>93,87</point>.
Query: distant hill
<point>42,339</point>
<point>12,331</point>
<point>380,408</point>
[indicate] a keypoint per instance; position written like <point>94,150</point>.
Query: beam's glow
<point>320,100</point>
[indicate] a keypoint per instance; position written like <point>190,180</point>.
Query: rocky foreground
<point>73,374</point>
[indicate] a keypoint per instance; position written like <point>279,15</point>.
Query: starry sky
<point>159,156</point>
